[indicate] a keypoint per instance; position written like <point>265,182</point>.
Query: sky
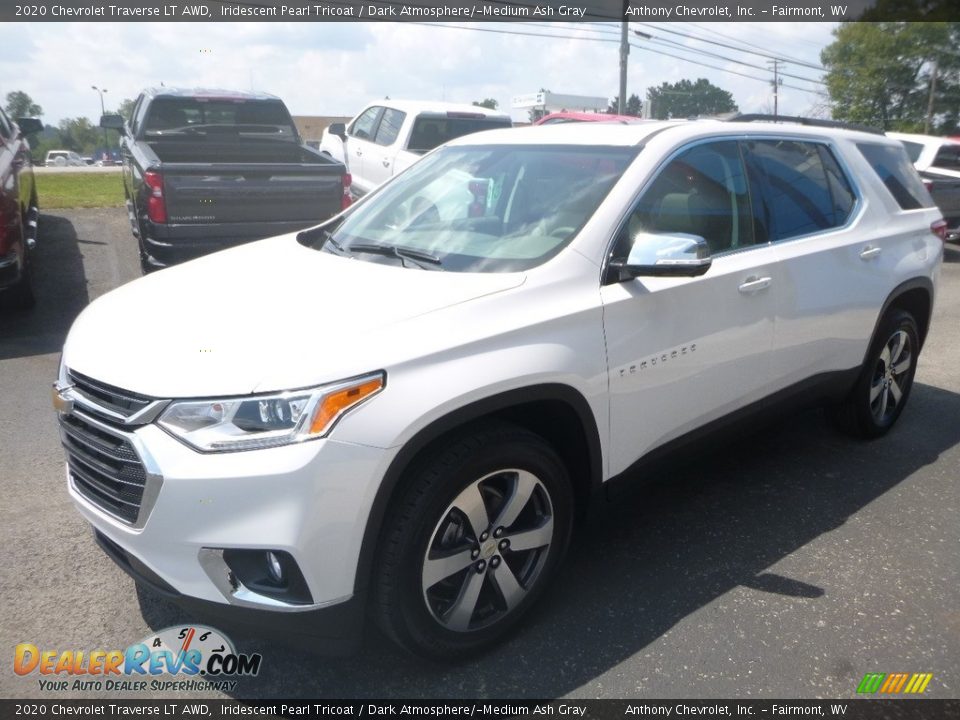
<point>337,68</point>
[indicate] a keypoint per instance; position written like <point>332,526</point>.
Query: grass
<point>79,190</point>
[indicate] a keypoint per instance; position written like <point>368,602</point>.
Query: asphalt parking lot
<point>787,565</point>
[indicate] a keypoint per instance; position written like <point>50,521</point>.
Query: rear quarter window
<point>896,172</point>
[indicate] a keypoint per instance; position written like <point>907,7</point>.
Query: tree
<point>634,106</point>
<point>126,108</point>
<point>488,103</point>
<point>80,135</point>
<point>684,99</point>
<point>883,73</point>
<point>19,104</point>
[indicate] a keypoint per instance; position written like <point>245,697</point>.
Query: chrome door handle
<point>754,284</point>
<point>870,252</point>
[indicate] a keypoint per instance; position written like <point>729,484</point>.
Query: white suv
<point>401,412</point>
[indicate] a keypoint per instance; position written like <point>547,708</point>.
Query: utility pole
<point>106,144</point>
<point>624,54</point>
<point>933,90</point>
<point>776,83</point>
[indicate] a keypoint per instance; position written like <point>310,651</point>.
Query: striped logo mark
<point>894,683</point>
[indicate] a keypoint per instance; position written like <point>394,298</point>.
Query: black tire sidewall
<point>894,322</point>
<point>446,476</point>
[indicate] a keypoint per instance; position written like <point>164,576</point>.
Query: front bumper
<point>310,500</point>
<point>333,630</point>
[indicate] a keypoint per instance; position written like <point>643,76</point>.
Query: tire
<point>886,378</point>
<point>483,587</point>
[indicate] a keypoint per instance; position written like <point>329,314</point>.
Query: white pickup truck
<point>388,136</point>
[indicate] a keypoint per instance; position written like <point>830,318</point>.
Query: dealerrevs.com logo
<point>894,683</point>
<point>194,657</point>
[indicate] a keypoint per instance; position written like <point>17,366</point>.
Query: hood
<point>219,325</point>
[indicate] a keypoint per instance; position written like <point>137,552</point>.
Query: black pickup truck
<point>208,169</point>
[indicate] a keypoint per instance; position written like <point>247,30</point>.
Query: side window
<point>363,126</point>
<point>840,190</point>
<point>796,196</point>
<point>6,129</point>
<point>136,123</point>
<point>893,167</point>
<point>389,127</point>
<point>703,191</point>
<point>948,157</point>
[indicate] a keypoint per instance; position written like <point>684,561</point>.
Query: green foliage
<point>126,108</point>
<point>488,103</point>
<point>684,99</point>
<point>634,106</point>
<point>880,74</point>
<point>19,104</point>
<point>80,135</point>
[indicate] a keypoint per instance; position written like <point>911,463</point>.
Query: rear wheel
<point>477,536</point>
<point>886,378</point>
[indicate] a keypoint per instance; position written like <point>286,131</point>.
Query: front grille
<point>106,401</point>
<point>104,467</point>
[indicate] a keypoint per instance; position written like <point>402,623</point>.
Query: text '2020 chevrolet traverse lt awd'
<point>400,413</point>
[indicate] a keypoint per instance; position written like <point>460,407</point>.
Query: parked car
<point>63,158</point>
<point>403,410</point>
<point>19,211</point>
<point>567,116</point>
<point>938,161</point>
<point>388,136</point>
<point>209,169</point>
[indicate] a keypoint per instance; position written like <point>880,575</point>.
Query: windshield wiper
<point>421,258</point>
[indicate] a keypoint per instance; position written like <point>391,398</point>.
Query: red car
<point>18,210</point>
<point>569,117</point>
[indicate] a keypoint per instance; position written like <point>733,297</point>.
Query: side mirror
<point>113,122</point>
<point>29,126</point>
<point>338,129</point>
<point>666,254</point>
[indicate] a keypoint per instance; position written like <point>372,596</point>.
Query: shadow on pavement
<point>61,288</point>
<point>644,565</point>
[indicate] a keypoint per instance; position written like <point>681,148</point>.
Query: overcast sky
<point>336,68</point>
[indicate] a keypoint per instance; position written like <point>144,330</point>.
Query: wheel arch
<point>557,412</point>
<point>916,297</point>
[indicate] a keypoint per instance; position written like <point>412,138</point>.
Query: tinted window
<point>389,126</point>
<point>178,115</point>
<point>138,113</point>
<point>6,129</point>
<point>791,191</point>
<point>363,126</point>
<point>432,131</point>
<point>893,167</point>
<point>840,190</point>
<point>701,192</point>
<point>948,157</point>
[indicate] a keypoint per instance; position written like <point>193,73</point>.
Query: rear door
<point>839,249</point>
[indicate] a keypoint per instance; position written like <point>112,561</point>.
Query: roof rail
<point>760,117</point>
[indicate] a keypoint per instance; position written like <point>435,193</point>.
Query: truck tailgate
<point>215,193</point>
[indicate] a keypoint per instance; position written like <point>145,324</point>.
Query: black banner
<point>914,709</point>
<point>475,10</point>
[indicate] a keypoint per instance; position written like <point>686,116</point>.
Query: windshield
<point>484,208</point>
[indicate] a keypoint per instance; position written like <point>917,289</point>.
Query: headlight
<point>258,421</point>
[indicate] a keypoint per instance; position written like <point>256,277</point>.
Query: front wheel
<point>478,534</point>
<point>886,378</point>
